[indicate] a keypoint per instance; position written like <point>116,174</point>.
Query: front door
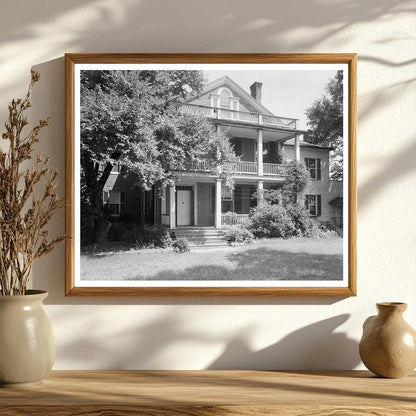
<point>184,204</point>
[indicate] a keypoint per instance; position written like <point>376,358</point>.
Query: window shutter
<point>306,202</point>
<point>318,169</point>
<point>318,202</point>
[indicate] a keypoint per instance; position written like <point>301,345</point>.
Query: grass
<point>275,259</point>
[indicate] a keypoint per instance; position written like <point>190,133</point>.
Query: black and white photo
<point>212,176</point>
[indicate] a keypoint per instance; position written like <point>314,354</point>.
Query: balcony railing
<point>275,169</point>
<point>246,167</point>
<point>241,167</point>
<point>244,116</point>
<point>200,166</point>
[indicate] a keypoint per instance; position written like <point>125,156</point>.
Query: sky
<point>286,93</point>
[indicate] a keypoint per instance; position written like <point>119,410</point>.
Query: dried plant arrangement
<point>28,199</point>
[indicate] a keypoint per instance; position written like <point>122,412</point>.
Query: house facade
<point>265,143</point>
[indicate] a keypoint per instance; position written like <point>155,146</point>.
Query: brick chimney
<point>255,90</point>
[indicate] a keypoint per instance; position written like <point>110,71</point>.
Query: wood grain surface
<point>203,393</point>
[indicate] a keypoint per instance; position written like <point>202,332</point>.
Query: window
<point>313,205</point>
<point>227,206</point>
<point>225,98</point>
<point>115,201</point>
<point>226,193</point>
<point>314,167</point>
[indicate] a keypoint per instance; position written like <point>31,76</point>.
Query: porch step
<point>201,236</point>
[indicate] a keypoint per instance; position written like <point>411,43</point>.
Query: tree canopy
<point>127,119</point>
<point>325,122</point>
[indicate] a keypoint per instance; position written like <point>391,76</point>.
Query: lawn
<point>276,259</point>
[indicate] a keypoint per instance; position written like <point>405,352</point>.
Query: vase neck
<point>389,308</point>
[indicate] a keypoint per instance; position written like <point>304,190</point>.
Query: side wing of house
<point>323,196</point>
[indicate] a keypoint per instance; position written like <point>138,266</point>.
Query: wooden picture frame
<point>230,107</point>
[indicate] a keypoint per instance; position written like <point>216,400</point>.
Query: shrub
<point>280,214</point>
<point>238,234</point>
<point>181,245</point>
<point>321,231</point>
<point>143,236</point>
<point>302,221</point>
<point>150,236</point>
<point>271,221</point>
<point>119,230</point>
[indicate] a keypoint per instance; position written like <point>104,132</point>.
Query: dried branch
<point>25,211</point>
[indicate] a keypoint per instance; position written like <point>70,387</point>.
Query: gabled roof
<point>250,102</point>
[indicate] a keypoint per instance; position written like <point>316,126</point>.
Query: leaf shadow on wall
<point>139,26</point>
<point>313,347</point>
<point>148,345</point>
<point>143,344</point>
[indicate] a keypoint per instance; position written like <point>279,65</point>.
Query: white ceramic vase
<point>27,346</point>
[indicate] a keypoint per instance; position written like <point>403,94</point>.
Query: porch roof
<point>302,143</point>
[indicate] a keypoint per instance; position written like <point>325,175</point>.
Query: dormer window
<point>224,99</point>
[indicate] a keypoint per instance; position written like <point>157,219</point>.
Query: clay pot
<point>27,346</point>
<point>388,345</point>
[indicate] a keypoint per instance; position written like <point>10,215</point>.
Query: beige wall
<point>191,333</point>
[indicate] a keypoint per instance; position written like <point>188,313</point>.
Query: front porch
<point>204,203</point>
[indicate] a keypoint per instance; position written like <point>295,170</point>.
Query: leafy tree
<point>296,181</point>
<point>127,119</point>
<point>325,121</point>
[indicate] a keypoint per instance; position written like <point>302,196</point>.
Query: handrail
<point>227,114</point>
<point>233,218</point>
<point>241,167</point>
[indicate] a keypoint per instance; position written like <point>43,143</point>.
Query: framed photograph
<point>211,174</point>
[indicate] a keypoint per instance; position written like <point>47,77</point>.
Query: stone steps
<point>201,236</point>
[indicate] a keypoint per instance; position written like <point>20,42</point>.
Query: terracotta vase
<point>388,345</point>
<point>27,346</point>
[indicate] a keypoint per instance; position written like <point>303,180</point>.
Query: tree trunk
<point>92,215</point>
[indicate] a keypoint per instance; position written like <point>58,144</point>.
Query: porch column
<point>259,191</point>
<point>172,207</point>
<point>260,152</point>
<point>279,152</point>
<point>297,149</point>
<point>218,204</point>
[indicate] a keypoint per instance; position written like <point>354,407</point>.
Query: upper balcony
<point>242,168</point>
<point>238,116</point>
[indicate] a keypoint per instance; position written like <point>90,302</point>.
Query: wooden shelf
<point>212,393</point>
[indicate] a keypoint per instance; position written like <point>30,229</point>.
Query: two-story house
<point>264,143</point>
